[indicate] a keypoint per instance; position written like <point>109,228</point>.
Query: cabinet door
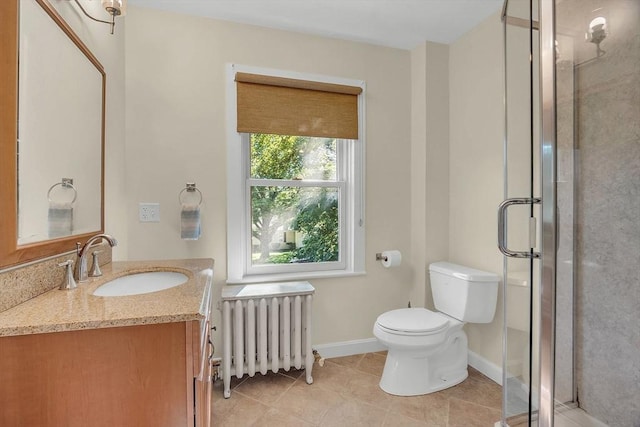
<point>126,376</point>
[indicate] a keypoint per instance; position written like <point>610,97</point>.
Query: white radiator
<point>266,327</point>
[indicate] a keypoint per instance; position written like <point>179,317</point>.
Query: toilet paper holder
<point>390,258</point>
<point>380,257</point>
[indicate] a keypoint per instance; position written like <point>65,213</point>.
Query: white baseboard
<point>348,348</point>
<point>371,345</point>
<point>485,367</point>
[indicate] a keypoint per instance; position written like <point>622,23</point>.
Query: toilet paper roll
<point>391,258</point>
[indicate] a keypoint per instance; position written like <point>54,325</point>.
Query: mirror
<point>52,131</point>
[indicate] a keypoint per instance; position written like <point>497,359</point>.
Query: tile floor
<point>345,392</point>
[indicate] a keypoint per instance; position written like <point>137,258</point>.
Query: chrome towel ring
<point>190,188</point>
<point>65,183</point>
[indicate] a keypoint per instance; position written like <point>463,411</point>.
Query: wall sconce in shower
<point>113,8</point>
<point>597,32</point>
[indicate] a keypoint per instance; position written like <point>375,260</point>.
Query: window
<point>295,177</point>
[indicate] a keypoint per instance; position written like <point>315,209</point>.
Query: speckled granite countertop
<point>57,311</point>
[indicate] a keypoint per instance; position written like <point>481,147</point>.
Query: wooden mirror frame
<point>10,252</point>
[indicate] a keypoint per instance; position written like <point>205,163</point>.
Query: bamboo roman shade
<point>285,106</point>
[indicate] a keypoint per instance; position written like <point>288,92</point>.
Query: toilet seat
<point>412,321</point>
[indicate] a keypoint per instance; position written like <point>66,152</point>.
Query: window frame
<point>351,195</point>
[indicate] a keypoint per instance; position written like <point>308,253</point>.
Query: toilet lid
<point>415,320</point>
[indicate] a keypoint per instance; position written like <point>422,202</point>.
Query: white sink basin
<point>141,283</point>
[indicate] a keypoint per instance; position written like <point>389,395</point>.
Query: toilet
<point>427,351</point>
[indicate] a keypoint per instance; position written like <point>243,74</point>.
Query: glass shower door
<point>573,142</point>
<point>518,217</point>
<point>538,353</point>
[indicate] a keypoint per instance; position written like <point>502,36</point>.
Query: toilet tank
<point>464,293</point>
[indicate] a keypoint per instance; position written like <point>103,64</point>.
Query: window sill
<point>284,277</point>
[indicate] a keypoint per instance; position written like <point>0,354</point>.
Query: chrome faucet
<point>82,274</point>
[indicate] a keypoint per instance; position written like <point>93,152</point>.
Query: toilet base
<point>416,372</point>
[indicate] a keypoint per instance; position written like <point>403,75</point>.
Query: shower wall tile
<point>608,110</point>
<point>607,282</point>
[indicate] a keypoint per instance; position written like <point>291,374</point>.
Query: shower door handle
<point>502,227</point>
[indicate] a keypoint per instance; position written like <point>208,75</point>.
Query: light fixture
<point>598,31</point>
<point>113,8</point>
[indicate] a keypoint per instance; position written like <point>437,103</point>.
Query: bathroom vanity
<point>75,359</point>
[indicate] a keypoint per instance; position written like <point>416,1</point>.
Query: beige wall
<point>442,206</point>
<point>429,164</point>
<point>175,90</point>
<point>427,197</point>
<point>437,164</point>
<point>475,167</point>
<point>418,173</point>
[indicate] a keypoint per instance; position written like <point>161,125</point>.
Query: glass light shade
<point>599,23</point>
<point>119,5</point>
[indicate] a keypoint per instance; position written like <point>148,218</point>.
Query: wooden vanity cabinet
<point>147,375</point>
<point>203,377</point>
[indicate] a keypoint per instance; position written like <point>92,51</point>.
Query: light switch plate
<point>149,212</point>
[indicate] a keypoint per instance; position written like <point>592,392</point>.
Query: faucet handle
<point>68,282</point>
<point>95,270</point>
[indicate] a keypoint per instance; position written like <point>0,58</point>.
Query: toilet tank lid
<point>462,272</point>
